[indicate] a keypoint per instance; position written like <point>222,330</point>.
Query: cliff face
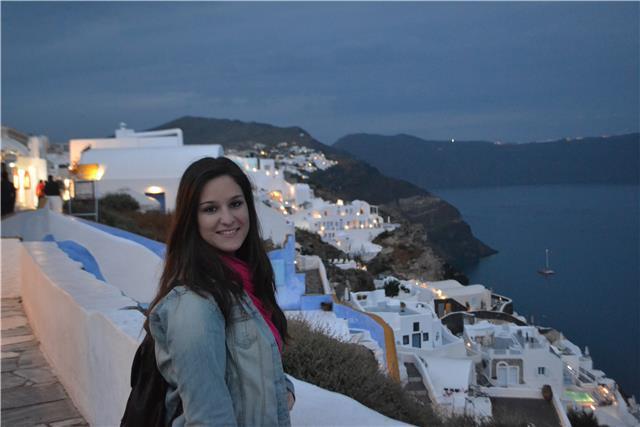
<point>445,231</point>
<point>407,254</point>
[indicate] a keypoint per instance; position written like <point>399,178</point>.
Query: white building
<point>350,227</point>
<point>139,163</point>
<point>514,356</point>
<point>414,323</point>
<point>25,160</point>
<point>440,358</point>
<point>451,294</point>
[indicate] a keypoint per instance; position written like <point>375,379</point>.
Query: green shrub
<point>120,202</point>
<point>352,370</point>
<point>392,288</point>
<point>582,419</point>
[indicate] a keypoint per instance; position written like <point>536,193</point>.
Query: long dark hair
<point>194,263</point>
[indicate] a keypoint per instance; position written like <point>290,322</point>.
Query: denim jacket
<point>241,383</point>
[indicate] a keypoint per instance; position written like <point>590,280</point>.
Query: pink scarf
<point>242,269</point>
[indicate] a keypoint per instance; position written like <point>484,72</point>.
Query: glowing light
<point>26,180</point>
<point>346,227</point>
<point>16,179</point>
<point>340,202</point>
<point>12,165</point>
<point>90,171</point>
<point>154,189</point>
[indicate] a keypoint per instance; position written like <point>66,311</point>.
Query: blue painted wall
<point>289,284</point>
<point>155,247</point>
<point>79,253</point>
<point>359,320</point>
<point>312,302</point>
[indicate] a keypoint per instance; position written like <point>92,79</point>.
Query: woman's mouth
<point>230,232</point>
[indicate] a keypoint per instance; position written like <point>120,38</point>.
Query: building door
<point>502,374</point>
<point>416,340</point>
<point>513,375</point>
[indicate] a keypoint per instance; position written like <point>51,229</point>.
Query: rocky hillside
<point>448,237</point>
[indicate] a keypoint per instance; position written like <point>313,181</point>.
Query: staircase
<point>415,386</point>
<point>313,282</point>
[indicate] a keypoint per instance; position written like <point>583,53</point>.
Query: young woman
<point>217,328</point>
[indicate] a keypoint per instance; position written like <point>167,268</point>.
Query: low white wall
<point>560,411</point>
<point>316,406</point>
<point>514,392</point>
<point>10,268</point>
<point>86,337</point>
<point>127,265</point>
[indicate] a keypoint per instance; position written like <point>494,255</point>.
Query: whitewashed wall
<point>127,265</point>
<point>84,333</point>
<point>10,268</point>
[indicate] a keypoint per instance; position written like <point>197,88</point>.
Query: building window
<point>416,326</point>
<point>541,370</point>
<point>405,339</point>
<point>425,336</point>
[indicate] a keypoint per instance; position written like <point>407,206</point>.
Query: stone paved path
<point>31,393</point>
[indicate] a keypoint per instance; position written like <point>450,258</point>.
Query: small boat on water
<point>546,271</point>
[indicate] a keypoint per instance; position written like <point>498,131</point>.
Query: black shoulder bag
<point>145,406</point>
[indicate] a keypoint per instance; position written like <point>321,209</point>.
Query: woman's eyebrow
<point>214,202</point>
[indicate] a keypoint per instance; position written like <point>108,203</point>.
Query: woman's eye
<point>209,209</point>
<point>236,204</point>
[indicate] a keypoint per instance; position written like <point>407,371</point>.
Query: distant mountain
<point>448,235</point>
<point>445,164</point>
<point>237,134</point>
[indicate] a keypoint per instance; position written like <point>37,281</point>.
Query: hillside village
<point>462,349</point>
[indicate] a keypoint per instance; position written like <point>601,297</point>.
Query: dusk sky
<point>513,72</point>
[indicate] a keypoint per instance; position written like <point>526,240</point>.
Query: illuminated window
<point>27,180</point>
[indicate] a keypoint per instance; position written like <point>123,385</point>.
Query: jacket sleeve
<point>290,387</point>
<point>195,338</point>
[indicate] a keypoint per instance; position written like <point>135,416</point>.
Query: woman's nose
<point>226,217</point>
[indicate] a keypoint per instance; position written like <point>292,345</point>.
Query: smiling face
<point>223,216</point>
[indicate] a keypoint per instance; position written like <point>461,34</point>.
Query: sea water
<point>593,237</point>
